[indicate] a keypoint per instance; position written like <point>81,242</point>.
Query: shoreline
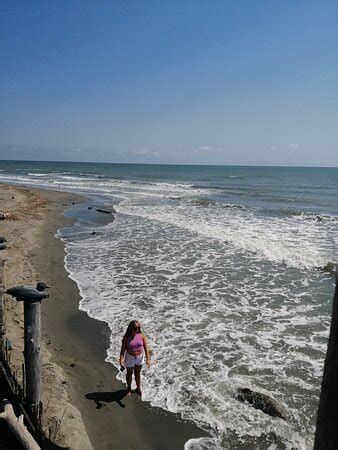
<point>78,345</point>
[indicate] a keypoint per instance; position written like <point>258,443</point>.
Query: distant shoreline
<point>168,164</point>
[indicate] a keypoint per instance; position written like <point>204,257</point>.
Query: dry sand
<point>23,231</point>
<point>77,382</point>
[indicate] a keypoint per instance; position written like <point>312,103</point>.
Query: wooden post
<point>31,298</point>
<point>32,354</point>
<point>2,310</point>
<point>327,431</point>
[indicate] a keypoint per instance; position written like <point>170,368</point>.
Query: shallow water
<point>221,266</point>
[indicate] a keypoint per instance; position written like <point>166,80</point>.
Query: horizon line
<point>168,164</point>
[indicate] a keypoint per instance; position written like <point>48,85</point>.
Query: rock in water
<point>263,402</point>
<point>330,268</point>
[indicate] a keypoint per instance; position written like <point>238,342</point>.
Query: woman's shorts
<point>131,361</point>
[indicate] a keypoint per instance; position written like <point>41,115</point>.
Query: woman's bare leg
<point>138,378</point>
<point>129,377</point>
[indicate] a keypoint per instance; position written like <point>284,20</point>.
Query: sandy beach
<point>77,382</point>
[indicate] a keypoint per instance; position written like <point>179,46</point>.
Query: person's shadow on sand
<point>107,397</point>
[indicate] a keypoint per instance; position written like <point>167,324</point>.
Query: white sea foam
<point>104,184</point>
<point>33,174</point>
<point>216,320</point>
<point>281,240</point>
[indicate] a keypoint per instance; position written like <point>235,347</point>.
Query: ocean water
<point>222,266</point>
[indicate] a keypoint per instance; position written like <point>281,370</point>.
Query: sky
<point>250,82</point>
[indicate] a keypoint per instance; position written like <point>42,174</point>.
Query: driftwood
<point>17,427</point>
<point>327,430</point>
<point>106,211</point>
<point>13,393</point>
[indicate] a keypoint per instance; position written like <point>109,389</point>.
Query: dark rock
<point>202,202</point>
<point>106,211</point>
<point>94,232</point>
<point>90,207</point>
<point>2,246</point>
<point>258,400</point>
<point>3,239</point>
<point>330,268</point>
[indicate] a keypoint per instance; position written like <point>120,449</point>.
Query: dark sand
<point>78,344</point>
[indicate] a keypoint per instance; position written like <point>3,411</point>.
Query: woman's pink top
<point>135,344</point>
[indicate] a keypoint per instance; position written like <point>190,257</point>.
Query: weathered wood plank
<point>32,354</point>
<point>17,427</point>
<point>327,430</point>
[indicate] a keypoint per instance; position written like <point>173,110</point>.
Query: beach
<point>223,267</point>
<point>78,384</point>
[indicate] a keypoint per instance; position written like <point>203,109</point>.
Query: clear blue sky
<point>218,82</point>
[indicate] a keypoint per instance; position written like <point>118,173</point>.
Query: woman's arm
<point>123,351</point>
<point>146,350</point>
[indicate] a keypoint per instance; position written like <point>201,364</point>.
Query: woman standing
<point>134,346</point>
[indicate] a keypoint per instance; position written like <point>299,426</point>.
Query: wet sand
<point>77,345</point>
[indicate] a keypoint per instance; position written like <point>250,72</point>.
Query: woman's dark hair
<point>133,324</point>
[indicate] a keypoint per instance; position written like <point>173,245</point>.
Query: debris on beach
<point>8,216</point>
<point>106,211</point>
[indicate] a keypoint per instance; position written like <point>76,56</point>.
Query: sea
<point>223,267</point>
